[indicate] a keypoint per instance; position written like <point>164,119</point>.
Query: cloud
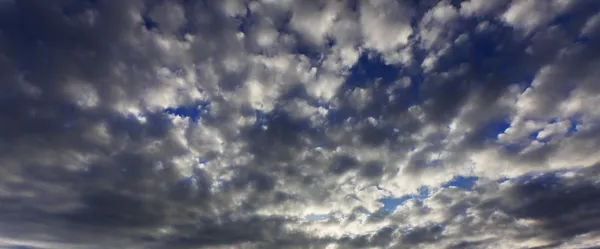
<point>293,124</point>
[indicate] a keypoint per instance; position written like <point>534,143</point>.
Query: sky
<point>313,124</point>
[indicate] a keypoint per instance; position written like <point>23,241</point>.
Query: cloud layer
<point>299,124</point>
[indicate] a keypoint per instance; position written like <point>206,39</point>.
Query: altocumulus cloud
<point>299,124</point>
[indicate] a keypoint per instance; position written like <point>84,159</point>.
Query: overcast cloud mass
<point>299,124</point>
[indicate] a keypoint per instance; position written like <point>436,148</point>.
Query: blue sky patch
<point>370,68</point>
<point>465,182</point>
<point>193,112</point>
<point>573,128</point>
<point>148,23</point>
<point>495,128</point>
<point>390,203</point>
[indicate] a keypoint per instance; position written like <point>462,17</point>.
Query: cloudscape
<point>308,124</point>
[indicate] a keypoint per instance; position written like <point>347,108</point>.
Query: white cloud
<point>228,123</point>
<point>528,15</point>
<point>480,7</point>
<point>385,25</point>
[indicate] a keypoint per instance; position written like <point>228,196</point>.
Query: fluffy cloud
<point>299,124</point>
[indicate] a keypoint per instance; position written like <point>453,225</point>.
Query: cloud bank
<point>299,124</point>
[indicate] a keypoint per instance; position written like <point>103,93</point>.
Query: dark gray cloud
<point>289,124</point>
